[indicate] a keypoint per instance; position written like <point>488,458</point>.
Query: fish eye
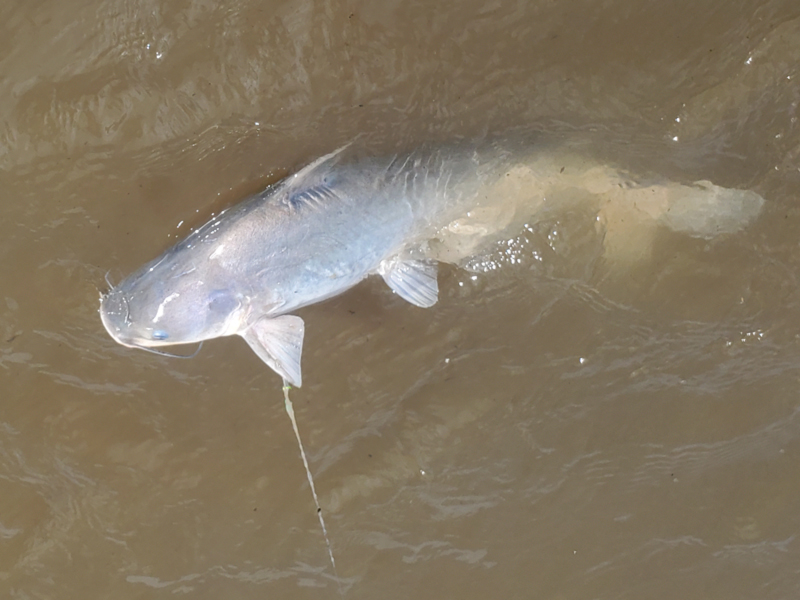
<point>160,334</point>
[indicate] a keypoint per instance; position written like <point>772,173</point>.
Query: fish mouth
<point>153,345</point>
<point>148,345</point>
<point>118,334</point>
<point>113,309</point>
<point>115,314</point>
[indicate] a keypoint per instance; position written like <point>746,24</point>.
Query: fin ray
<point>413,280</point>
<point>279,343</point>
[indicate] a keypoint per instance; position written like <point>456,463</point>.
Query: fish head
<point>166,303</point>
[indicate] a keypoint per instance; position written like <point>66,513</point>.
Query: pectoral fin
<point>412,280</point>
<point>279,343</point>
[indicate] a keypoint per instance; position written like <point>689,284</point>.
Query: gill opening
<point>168,354</point>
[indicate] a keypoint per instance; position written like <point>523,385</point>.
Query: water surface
<point>561,425</point>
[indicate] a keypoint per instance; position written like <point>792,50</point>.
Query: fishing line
<point>290,412</point>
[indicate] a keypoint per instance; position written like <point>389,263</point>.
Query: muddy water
<point>566,424</point>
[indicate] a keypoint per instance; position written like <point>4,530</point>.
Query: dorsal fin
<point>320,161</point>
<point>300,190</point>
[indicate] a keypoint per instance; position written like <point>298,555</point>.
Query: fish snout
<point>115,315</point>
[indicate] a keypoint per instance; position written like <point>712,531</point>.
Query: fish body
<point>312,236</point>
<point>321,231</point>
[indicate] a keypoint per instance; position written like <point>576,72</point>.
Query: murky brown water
<point>561,427</point>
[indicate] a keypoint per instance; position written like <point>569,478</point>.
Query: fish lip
<point>114,331</point>
<point>118,334</point>
<point>140,343</point>
<point>110,326</point>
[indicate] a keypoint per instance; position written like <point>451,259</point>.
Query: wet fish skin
<point>322,230</point>
<point>310,237</point>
